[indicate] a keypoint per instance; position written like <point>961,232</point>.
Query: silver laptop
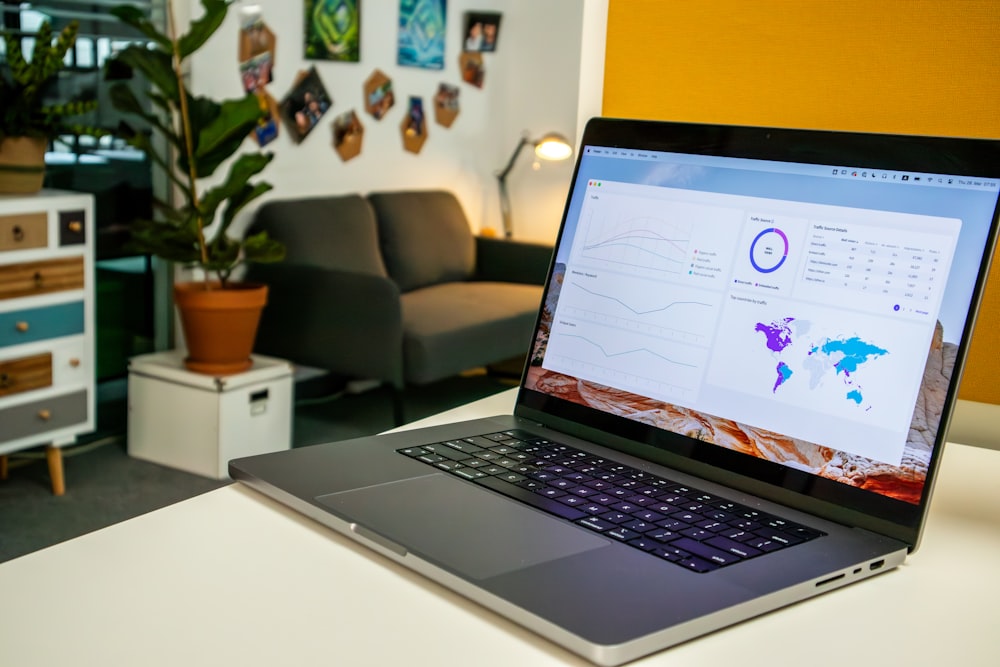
<point>736,397</point>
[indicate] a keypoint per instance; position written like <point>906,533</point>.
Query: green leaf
<point>220,130</point>
<point>124,100</point>
<point>204,27</point>
<point>262,249</point>
<point>155,66</point>
<point>235,186</point>
<point>239,200</point>
<point>133,16</point>
<point>165,240</point>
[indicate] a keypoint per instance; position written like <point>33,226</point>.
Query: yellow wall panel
<point>909,66</point>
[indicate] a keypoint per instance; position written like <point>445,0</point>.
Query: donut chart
<point>769,250</point>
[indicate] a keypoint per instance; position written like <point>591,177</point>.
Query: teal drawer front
<point>27,326</point>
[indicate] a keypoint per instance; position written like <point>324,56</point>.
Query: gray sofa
<point>393,286</point>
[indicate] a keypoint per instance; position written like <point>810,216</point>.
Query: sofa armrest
<point>511,261</point>
<point>344,322</point>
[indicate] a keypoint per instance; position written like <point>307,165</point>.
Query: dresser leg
<point>3,467</point>
<point>54,456</point>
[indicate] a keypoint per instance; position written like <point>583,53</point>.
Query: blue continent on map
<point>843,355</point>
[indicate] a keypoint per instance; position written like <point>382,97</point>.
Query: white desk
<point>233,578</point>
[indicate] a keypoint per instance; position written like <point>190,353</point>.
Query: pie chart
<point>769,250</point>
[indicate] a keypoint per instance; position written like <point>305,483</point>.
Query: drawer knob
<point>45,415</point>
<point>18,233</point>
<point>21,326</point>
<point>75,226</point>
<point>74,362</point>
<point>4,380</point>
<point>38,278</point>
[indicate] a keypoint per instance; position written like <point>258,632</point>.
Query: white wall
<point>533,84</point>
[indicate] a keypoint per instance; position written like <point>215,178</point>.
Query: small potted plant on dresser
<point>27,123</point>
<point>218,314</point>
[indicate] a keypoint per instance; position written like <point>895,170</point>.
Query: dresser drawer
<point>38,417</point>
<point>25,373</point>
<point>27,326</point>
<point>34,278</point>
<point>23,231</point>
<point>72,227</point>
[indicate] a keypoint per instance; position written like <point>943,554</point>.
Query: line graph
<point>670,312</point>
<point>644,364</point>
<point>643,242</point>
<point>638,350</point>
<point>637,311</point>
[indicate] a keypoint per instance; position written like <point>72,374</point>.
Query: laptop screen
<point>807,313</point>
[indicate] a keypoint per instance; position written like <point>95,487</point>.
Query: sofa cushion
<point>451,327</point>
<point>328,232</point>
<point>425,237</point>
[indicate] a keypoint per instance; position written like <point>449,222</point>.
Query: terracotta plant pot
<point>220,325</point>
<point>22,165</point>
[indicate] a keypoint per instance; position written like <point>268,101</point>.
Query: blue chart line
<point>619,354</point>
<point>641,312</point>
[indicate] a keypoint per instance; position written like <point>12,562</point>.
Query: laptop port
<point>877,565</point>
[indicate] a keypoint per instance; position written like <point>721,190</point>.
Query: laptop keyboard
<point>675,522</point>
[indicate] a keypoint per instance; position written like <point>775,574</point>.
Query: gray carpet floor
<point>104,485</point>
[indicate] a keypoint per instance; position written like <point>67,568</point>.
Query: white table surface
<point>231,577</point>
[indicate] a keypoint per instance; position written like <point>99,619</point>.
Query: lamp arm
<point>508,229</point>
<point>502,174</point>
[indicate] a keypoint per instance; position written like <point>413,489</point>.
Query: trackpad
<point>464,528</point>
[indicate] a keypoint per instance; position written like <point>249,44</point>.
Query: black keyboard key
<point>709,553</point>
<point>447,452</point>
<point>648,515</point>
<point>596,523</point>
<point>663,535</point>
<point>530,498</point>
<point>412,452</point>
<point>697,564</point>
<point>640,526</point>
<point>732,546</point>
<point>468,473</point>
<point>696,533</point>
<point>644,543</point>
<point>622,533</point>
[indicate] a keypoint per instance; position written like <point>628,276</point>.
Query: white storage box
<point>197,423</point>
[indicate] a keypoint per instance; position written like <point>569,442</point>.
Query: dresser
<point>47,364</point>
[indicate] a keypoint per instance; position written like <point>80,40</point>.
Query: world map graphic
<point>818,356</point>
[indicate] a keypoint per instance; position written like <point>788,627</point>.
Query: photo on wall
<point>446,104</point>
<point>333,30</point>
<point>414,125</point>
<point>267,127</point>
<point>305,104</point>
<point>422,26</point>
<point>347,135</point>
<point>379,97</point>
<point>256,52</point>
<point>482,29</point>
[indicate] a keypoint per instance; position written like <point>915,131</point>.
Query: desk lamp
<point>551,146</point>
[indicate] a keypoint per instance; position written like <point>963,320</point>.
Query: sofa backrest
<point>425,237</point>
<point>332,232</point>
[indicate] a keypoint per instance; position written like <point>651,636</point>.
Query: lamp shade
<point>553,147</point>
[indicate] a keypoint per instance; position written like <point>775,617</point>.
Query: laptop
<point>736,397</point>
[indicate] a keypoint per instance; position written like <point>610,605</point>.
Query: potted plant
<point>202,135</point>
<point>27,123</point>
